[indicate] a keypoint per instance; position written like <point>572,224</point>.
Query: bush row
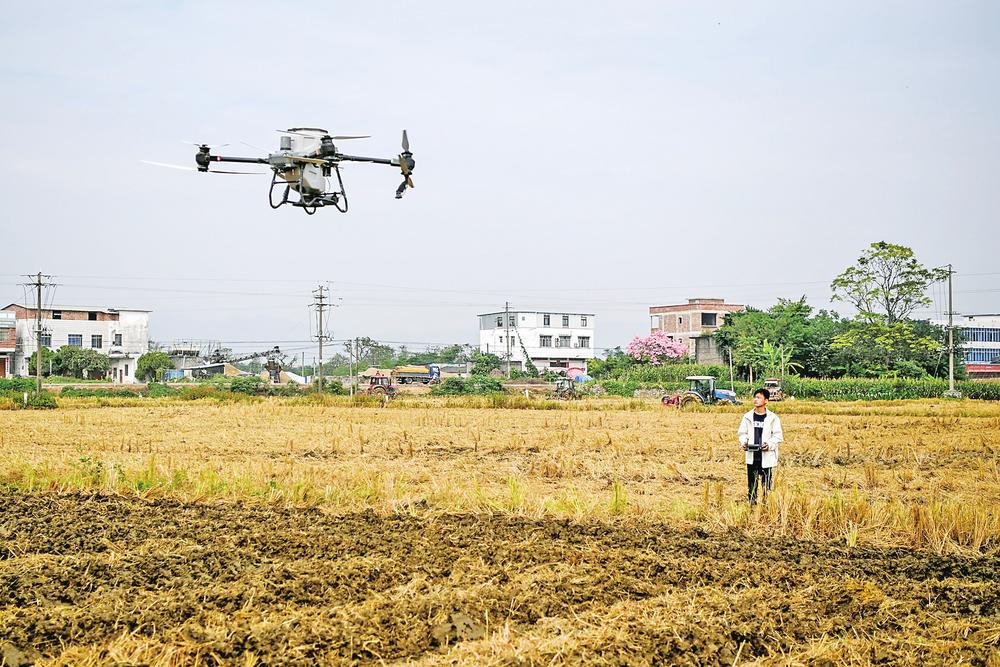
<point>17,384</point>
<point>874,389</point>
<point>474,385</point>
<point>840,389</point>
<point>14,400</point>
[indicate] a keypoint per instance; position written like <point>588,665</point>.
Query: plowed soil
<point>106,580</point>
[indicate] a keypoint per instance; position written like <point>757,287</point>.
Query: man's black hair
<point>763,392</point>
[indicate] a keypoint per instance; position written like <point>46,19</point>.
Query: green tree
<point>614,364</point>
<point>886,284</point>
<point>80,362</point>
<point>880,349</point>
<point>151,365</point>
<point>485,362</point>
<point>48,361</point>
<point>797,340</point>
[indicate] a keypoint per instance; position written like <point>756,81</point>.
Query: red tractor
<point>379,385</point>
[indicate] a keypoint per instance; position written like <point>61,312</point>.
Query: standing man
<point>760,434</point>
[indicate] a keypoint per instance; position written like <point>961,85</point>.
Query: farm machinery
<point>701,391</point>
<point>379,385</point>
<point>773,386</point>
<point>565,390</point>
<point>425,374</point>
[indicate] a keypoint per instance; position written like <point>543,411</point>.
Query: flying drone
<point>303,167</point>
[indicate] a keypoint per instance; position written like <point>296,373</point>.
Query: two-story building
<point>550,339</point>
<point>694,322</point>
<point>122,334</point>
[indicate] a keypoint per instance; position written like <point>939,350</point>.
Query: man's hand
<point>765,447</point>
<point>743,446</point>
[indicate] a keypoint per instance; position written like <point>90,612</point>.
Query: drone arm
<point>376,160</point>
<point>204,158</point>
<point>246,160</point>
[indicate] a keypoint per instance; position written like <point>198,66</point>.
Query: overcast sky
<point>580,156</point>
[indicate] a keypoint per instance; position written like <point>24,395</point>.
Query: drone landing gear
<point>308,203</point>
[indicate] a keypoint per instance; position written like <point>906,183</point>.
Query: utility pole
<point>951,338</point>
<point>38,282</point>
<point>506,322</point>
<point>321,306</point>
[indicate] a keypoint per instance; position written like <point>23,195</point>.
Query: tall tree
<point>886,284</point>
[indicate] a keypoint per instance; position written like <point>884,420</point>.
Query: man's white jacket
<point>772,436</point>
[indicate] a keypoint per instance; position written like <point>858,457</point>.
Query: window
<point>565,320</point>
<point>92,316</point>
<point>76,340</point>
<point>499,320</point>
<point>708,319</point>
<point>562,341</point>
<point>680,320</point>
<point>982,334</point>
<point>46,340</point>
<point>126,370</point>
<point>654,322</point>
<point>546,320</point>
<point>980,355</point>
<point>583,320</point>
<point>118,339</point>
<point>512,320</point>
<point>97,341</point>
<point>545,341</point>
<point>584,341</point>
<point>57,314</point>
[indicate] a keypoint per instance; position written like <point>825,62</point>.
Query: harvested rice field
<point>446,531</point>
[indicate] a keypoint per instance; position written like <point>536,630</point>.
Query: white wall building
<point>122,334</point>
<point>552,340</point>
<point>982,340</point>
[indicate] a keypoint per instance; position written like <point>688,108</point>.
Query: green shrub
<point>161,391</point>
<point>41,401</point>
<point>199,392</point>
<point>103,392</point>
<point>884,389</point>
<point>474,385</point>
<point>17,384</point>
<point>620,388</point>
<point>246,384</point>
<point>660,374</point>
<point>280,390</point>
<point>335,387</point>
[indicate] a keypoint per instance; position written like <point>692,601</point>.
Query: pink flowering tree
<point>656,348</point>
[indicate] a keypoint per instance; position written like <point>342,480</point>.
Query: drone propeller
<point>406,165</point>
<point>338,137</point>
<point>405,160</point>
<point>183,168</point>
<point>203,145</point>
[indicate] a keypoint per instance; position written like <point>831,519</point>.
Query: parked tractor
<point>701,391</point>
<point>379,385</point>
<point>773,386</point>
<point>565,390</point>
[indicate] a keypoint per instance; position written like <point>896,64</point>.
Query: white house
<point>122,334</point>
<point>551,339</point>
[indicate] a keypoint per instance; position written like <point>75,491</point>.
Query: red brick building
<point>8,343</point>
<point>694,322</point>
